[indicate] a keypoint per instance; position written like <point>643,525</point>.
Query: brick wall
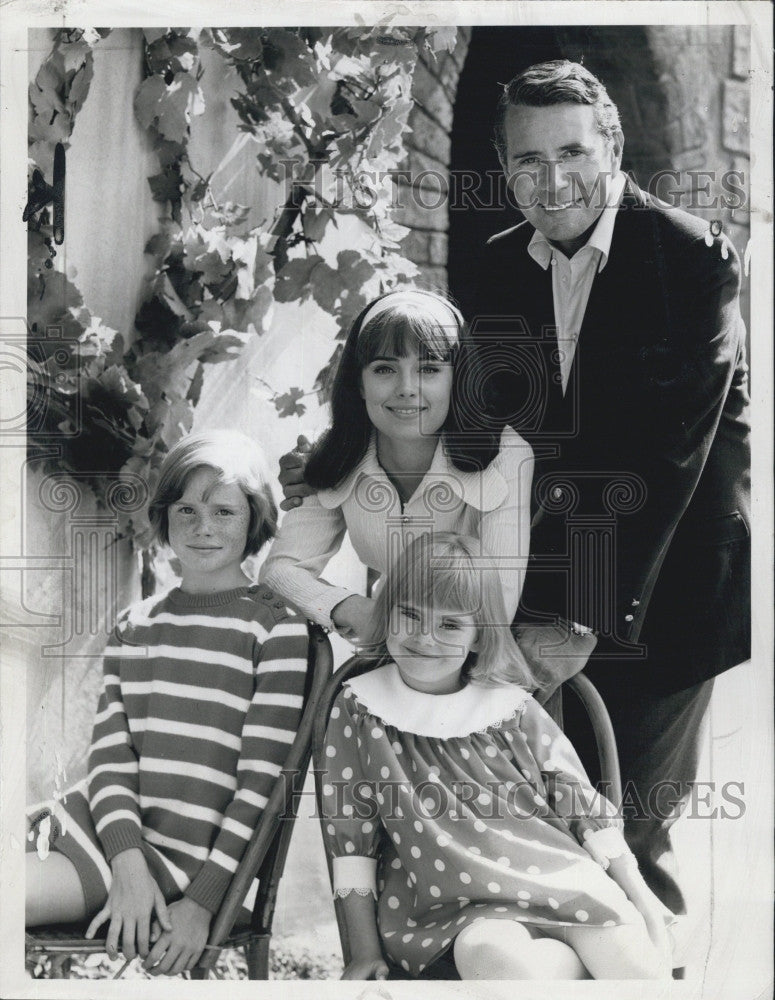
<point>424,197</point>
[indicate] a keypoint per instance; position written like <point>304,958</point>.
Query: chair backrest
<point>267,849</point>
<point>581,686</point>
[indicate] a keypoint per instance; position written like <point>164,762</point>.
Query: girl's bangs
<point>395,333</point>
<point>449,582</point>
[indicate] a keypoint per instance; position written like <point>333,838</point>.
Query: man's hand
<point>352,616</point>
<point>292,466</point>
<point>133,897</point>
<point>367,968</point>
<point>179,948</point>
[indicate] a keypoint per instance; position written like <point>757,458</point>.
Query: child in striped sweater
<point>201,699</point>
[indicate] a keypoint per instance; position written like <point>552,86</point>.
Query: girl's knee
<point>484,946</point>
<point>622,952</point>
<point>53,891</point>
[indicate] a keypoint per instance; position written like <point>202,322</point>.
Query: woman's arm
<point>308,538</point>
<point>505,531</point>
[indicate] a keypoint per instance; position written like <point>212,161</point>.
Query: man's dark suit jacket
<point>642,484</point>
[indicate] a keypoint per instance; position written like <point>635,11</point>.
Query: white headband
<point>402,297</point>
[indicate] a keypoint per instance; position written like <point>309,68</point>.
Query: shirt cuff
<point>604,844</point>
<point>355,874</point>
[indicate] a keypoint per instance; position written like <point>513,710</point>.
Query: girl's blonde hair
<point>441,569</point>
<point>235,458</point>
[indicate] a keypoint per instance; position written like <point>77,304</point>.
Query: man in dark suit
<point>611,329</point>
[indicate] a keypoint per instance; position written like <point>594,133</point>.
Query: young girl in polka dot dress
<point>454,801</point>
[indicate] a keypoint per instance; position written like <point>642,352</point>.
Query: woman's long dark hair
<point>470,440</point>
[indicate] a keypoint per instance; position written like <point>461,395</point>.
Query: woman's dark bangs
<point>396,335</point>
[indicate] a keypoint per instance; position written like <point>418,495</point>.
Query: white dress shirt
<point>493,505</point>
<point>572,277</point>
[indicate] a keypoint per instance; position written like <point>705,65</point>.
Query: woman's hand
<point>292,465</point>
<point>132,898</point>
<point>352,616</point>
<point>367,968</point>
<point>179,948</point>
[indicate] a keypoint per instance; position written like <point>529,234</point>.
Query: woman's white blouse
<point>492,505</point>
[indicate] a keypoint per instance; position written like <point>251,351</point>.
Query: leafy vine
<point>327,110</point>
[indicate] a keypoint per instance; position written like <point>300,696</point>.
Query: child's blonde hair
<point>235,458</point>
<point>441,569</point>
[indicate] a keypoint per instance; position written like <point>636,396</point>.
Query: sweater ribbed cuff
<point>120,836</point>
<point>209,887</point>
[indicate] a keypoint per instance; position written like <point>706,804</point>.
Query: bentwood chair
<point>264,857</point>
<point>610,774</point>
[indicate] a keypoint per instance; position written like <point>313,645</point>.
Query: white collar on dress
<point>485,490</point>
<point>470,710</point>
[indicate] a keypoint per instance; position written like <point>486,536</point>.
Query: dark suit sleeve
<point>692,381</point>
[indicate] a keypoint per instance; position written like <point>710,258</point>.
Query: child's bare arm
<point>366,960</point>
<point>624,871</point>
<point>352,837</point>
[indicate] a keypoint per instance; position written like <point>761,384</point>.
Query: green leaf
<point>326,287</point>
<point>165,186</point>
<point>438,39</point>
<point>154,34</point>
<point>389,128</point>
<point>195,388</point>
<point>293,281</point>
<point>158,245</point>
<point>148,99</point>
<point>314,223</point>
<point>212,268</point>
<point>288,405</point>
<point>240,43</point>
<point>288,59</point>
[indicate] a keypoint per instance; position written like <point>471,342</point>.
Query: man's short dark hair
<point>556,82</point>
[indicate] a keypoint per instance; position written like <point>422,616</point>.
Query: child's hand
<point>133,897</point>
<point>366,968</point>
<point>179,948</point>
<point>654,917</point>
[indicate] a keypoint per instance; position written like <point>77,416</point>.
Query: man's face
<point>559,166</point>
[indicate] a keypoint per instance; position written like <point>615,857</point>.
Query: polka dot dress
<point>489,823</point>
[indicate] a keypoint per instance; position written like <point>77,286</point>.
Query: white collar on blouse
<point>484,490</point>
<point>470,710</point>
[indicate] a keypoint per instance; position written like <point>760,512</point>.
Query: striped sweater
<point>202,697</point>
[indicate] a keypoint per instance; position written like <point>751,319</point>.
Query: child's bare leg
<point>506,949</point>
<point>54,894</point>
<point>622,952</point>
